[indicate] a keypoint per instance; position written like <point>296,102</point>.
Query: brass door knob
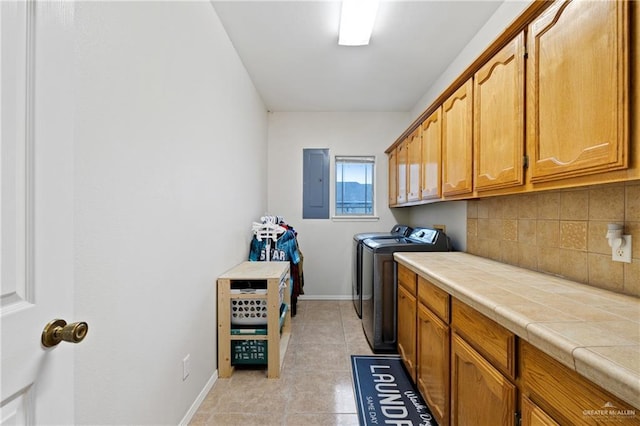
<point>58,330</point>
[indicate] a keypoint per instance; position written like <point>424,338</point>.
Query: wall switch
<point>186,367</point>
<point>623,254</point>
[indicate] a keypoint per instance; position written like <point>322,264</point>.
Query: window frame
<point>336,160</point>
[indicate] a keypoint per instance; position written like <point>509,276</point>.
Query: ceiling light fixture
<point>356,22</point>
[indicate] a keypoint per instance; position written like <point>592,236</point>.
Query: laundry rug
<point>385,394</point>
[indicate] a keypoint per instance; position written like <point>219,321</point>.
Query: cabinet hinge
<point>525,161</point>
<point>518,419</point>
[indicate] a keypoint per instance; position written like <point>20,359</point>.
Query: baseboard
<point>201,396</point>
<point>312,297</point>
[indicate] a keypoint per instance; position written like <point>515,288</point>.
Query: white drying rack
<point>268,230</point>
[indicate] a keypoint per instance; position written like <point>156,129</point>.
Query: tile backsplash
<point>561,232</point>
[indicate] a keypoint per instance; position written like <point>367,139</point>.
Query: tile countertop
<point>592,331</point>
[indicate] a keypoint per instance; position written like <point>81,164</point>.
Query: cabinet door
<point>493,341</point>
<point>480,394</point>
<point>431,156</point>
<point>393,181</point>
<point>532,415</point>
<point>401,174</point>
<point>435,299</point>
<point>457,139</point>
<point>577,89</point>
<point>498,119</point>
<point>566,395</point>
<point>407,329</point>
<point>433,363</point>
<point>414,146</point>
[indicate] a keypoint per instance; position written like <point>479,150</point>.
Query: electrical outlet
<point>186,366</point>
<point>623,254</point>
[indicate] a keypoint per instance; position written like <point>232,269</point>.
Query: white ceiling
<point>290,49</point>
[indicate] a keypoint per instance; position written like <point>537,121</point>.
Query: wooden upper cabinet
<point>393,181</point>
<point>431,156</point>
<point>401,172</point>
<point>498,119</point>
<point>414,146</point>
<point>457,139</point>
<point>577,89</point>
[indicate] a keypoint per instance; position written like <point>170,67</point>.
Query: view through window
<point>354,185</point>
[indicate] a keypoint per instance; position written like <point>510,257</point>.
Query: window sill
<point>355,218</point>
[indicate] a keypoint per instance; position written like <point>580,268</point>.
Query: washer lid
<point>386,242</point>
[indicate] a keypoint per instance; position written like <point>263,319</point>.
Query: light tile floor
<point>315,386</point>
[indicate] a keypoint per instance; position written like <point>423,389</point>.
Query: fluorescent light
<point>356,22</point>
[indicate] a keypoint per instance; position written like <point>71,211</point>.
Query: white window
<point>355,185</point>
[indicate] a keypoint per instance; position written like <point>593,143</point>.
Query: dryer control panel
<point>425,235</point>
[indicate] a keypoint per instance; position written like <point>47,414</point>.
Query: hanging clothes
<point>277,241</point>
<point>298,281</point>
<point>284,248</point>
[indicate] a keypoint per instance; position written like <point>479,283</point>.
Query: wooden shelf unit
<point>277,339</point>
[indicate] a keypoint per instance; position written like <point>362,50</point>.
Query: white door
<point>36,262</point>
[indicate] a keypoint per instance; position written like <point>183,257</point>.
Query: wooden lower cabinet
<point>494,342</point>
<point>406,326</point>
<point>480,394</point>
<point>472,371</point>
<point>433,363</point>
<point>532,415</point>
<point>567,397</point>
<point>437,300</point>
<point>407,330</point>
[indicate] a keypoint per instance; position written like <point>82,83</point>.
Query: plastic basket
<point>252,311</point>
<point>249,311</point>
<point>248,352</point>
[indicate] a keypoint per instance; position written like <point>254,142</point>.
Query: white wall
<point>453,214</point>
<point>326,244</point>
<point>497,23</point>
<point>170,171</point>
